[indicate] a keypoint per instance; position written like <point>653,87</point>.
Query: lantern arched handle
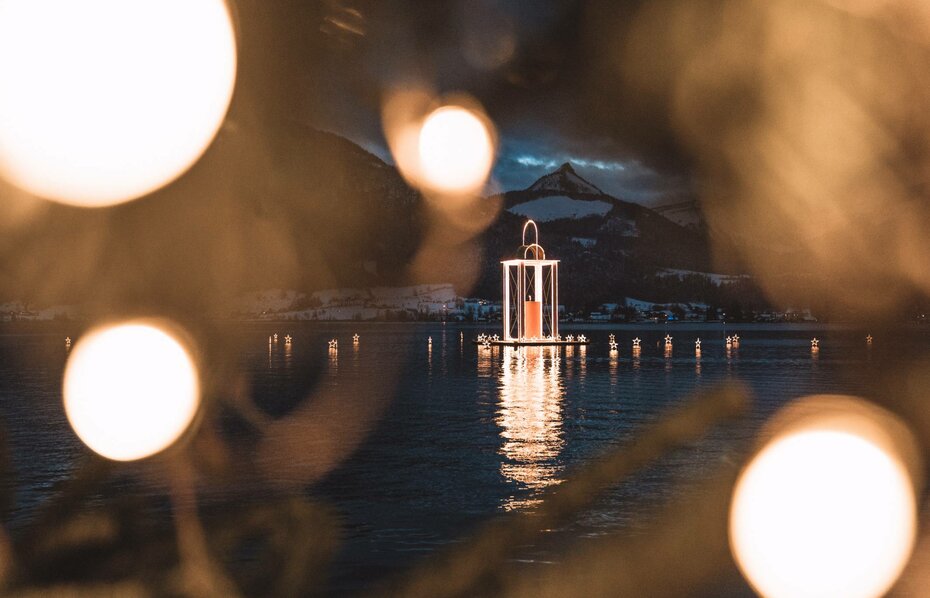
<point>536,247</point>
<point>535,234</point>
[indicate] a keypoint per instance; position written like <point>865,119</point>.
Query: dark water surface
<point>469,432</point>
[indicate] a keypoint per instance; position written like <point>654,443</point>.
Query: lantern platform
<point>542,342</point>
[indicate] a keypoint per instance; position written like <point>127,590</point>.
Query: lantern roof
<point>530,253</point>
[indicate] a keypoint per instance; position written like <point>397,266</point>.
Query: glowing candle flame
<point>130,390</point>
<point>107,100</point>
<point>824,510</point>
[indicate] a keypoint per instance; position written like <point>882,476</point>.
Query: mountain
<point>564,179</point>
<point>610,248</point>
<point>353,209</point>
<point>269,205</point>
<point>356,213</point>
<point>686,212</point>
<point>289,206</point>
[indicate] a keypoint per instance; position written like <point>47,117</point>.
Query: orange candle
<point>532,319</point>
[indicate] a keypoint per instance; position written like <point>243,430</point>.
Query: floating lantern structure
<point>355,338</point>
<point>287,339</point>
<point>531,298</point>
<point>333,344</point>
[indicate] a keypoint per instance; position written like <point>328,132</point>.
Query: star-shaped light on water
<point>636,342</point>
<point>355,338</point>
<point>697,343</point>
<point>287,339</point>
<point>868,339</point>
<point>582,338</point>
<point>815,343</point>
<point>275,336</point>
<point>333,344</point>
<point>668,339</point>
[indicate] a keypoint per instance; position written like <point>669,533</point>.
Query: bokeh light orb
<point>104,101</point>
<point>130,390</point>
<point>823,512</point>
<point>456,150</point>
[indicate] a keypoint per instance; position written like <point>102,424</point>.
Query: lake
<point>435,438</point>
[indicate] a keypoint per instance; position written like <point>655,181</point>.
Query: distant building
<point>480,309</point>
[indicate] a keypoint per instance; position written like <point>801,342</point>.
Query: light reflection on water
<point>530,418</point>
<point>333,361</point>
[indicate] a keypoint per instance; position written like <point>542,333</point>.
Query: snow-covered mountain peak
<point>564,180</point>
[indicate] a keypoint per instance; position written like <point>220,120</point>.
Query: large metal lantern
<point>531,293</point>
<point>531,297</point>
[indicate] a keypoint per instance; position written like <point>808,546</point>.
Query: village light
<point>130,390</point>
<point>107,100</point>
<point>828,506</point>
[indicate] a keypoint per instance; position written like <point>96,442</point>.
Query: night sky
<point>536,67</point>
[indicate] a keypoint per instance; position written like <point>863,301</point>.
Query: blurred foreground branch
<point>685,549</point>
<point>458,571</point>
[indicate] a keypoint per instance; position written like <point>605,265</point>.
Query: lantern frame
<point>531,293</point>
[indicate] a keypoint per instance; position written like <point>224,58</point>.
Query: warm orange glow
<point>444,151</point>
<point>130,390</point>
<point>530,417</point>
<point>827,508</point>
<point>107,100</point>
<point>456,150</point>
<point>533,319</point>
